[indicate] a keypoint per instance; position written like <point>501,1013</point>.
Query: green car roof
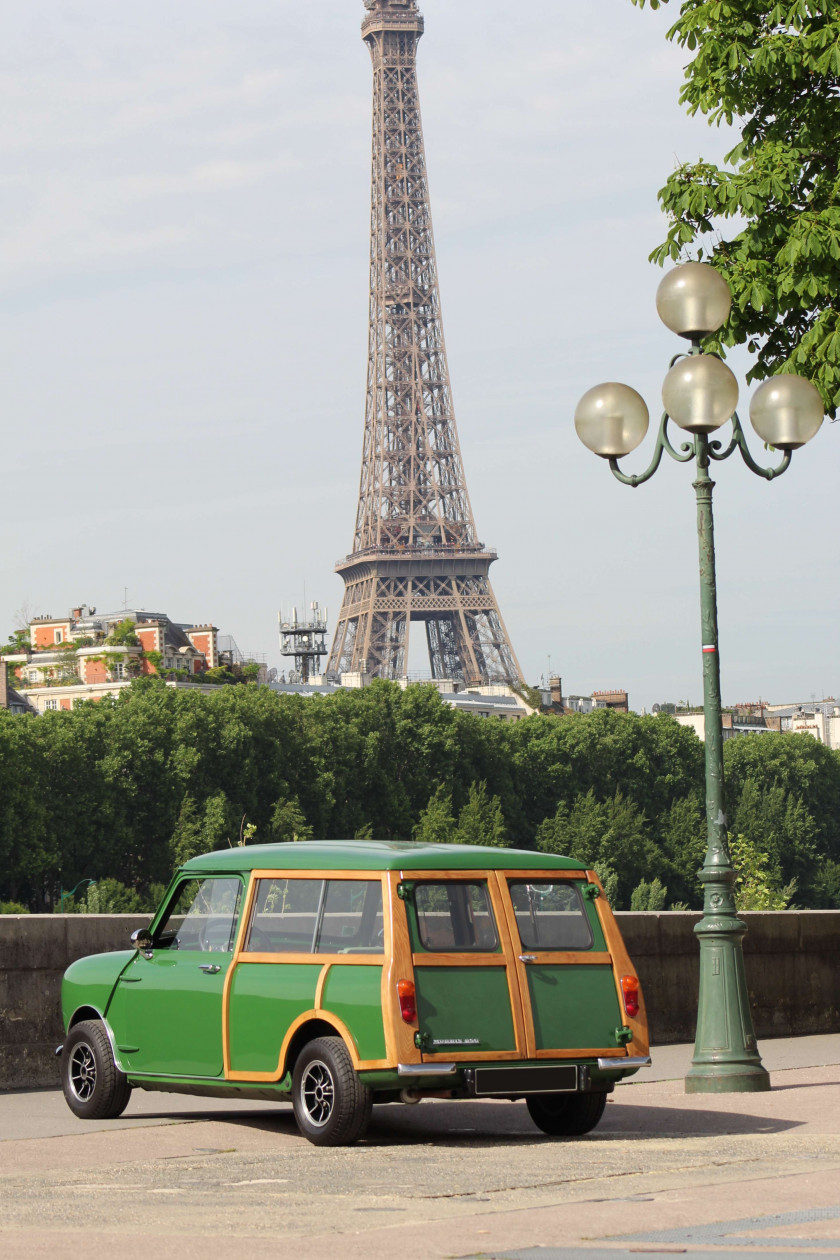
<point>376,855</point>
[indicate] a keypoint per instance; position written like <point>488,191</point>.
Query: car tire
<point>94,1087</point>
<point>566,1115</point>
<point>332,1107</point>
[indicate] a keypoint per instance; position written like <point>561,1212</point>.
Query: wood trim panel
<point>460,960</point>
<point>319,987</point>
<point>399,1036</point>
<point>622,966</point>
<point>527,1013</point>
<point>244,920</point>
<point>467,1056</point>
<point>611,1052</point>
<point>498,900</point>
<point>373,877</point>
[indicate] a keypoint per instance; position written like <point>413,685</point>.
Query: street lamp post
<point>72,892</point>
<point>700,395</point>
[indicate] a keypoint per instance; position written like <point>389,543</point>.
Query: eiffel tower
<point>416,555</point>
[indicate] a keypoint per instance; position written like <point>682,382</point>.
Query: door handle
<point>209,968</point>
<point>527,957</point>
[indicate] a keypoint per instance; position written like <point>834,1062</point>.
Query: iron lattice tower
<point>416,555</point>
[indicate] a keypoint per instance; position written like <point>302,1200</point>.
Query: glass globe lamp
<point>700,393</point>
<point>611,419</point>
<point>693,300</point>
<point>786,411</point>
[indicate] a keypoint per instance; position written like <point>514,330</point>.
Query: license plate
<point>526,1080</point>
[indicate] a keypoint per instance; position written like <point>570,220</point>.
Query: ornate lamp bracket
<point>663,443</point>
<point>739,441</point>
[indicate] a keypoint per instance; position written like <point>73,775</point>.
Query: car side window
<point>550,915</point>
<point>202,916</point>
<point>316,916</point>
<point>352,918</point>
<point>285,916</point>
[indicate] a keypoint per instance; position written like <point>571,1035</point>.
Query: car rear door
<point>569,990</point>
<point>467,989</point>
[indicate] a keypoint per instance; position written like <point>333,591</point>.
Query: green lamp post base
<point>726,1058</point>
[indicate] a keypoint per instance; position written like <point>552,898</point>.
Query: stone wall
<point>792,964</point>
<point>791,958</point>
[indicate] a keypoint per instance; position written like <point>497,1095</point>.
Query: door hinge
<point>623,1035</point>
<point>405,889</point>
<point>422,1040</point>
<point>591,891</point>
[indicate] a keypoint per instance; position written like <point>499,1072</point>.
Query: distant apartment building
<point>87,654</point>
<point>818,718</point>
<point>618,701</point>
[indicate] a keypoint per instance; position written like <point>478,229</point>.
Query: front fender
<point>89,982</point>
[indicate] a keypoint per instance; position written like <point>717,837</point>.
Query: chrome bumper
<point>427,1069</point>
<point>619,1065</point>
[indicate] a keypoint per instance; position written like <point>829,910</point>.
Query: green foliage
<point>649,896</point>
<point>614,832</point>
<point>609,880</point>
<point>481,821</point>
<point>774,69</point>
<point>13,907</point>
<point>783,794</point>
<point>288,822</point>
<point>132,785</point>
<point>436,824</point>
<point>109,896</point>
<point>757,886</point>
<point>18,642</point>
<point>123,635</point>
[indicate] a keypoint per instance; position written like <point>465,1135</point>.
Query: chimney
<point>4,685</point>
<point>555,686</point>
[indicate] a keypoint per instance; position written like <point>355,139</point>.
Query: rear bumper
<point>623,1065</point>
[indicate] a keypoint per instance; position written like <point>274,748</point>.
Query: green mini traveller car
<point>338,974</point>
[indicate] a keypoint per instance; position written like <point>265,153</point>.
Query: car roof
<point>376,855</point>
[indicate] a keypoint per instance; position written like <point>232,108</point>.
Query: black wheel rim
<point>317,1093</point>
<point>82,1071</point>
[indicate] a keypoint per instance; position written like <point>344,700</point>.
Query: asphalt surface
<point>664,1172</point>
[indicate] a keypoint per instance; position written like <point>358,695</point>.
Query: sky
<point>184,216</point>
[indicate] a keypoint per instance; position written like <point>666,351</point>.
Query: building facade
<point>86,655</point>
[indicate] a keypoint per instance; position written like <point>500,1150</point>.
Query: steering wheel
<point>260,942</point>
<point>214,935</point>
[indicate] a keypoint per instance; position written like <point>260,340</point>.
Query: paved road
<point>663,1172</point>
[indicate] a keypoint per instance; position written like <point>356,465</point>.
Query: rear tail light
<point>408,1000</point>
<point>630,993</point>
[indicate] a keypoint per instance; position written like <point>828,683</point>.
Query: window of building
<point>50,704</point>
<point>59,636</point>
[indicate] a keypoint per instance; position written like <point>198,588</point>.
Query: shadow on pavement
<point>470,1124</point>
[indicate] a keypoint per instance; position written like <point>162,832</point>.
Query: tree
<point>288,822</point>
<point>436,824</point>
<point>649,896</point>
<point>757,884</point>
<point>774,69</point>
<point>122,635</point>
<point>481,821</point>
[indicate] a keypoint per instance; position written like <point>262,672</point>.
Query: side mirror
<point>142,939</point>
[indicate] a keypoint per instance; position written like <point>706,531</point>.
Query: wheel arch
<point>308,1028</point>
<point>86,1012</point>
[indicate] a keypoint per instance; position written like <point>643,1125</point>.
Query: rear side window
<point>316,916</point>
<point>455,917</point>
<point>550,916</point>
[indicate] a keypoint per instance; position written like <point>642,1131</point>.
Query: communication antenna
<point>304,640</point>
